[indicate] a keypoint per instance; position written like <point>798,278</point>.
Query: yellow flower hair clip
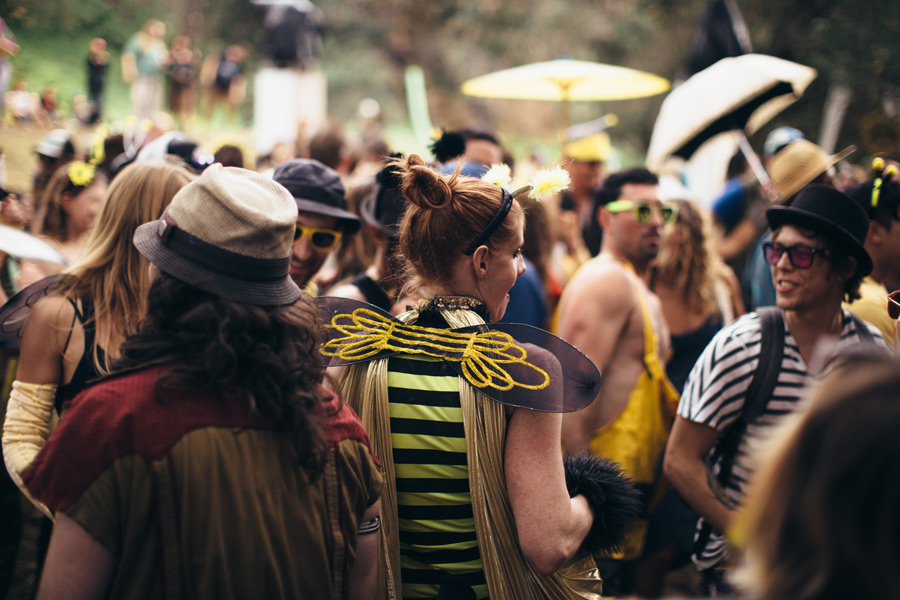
<point>98,149</point>
<point>498,175</point>
<point>81,174</point>
<point>549,181</point>
<point>543,183</point>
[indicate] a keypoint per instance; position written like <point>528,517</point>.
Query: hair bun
<point>423,186</point>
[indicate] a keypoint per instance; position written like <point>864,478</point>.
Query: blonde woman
<point>822,517</point>
<point>73,334</point>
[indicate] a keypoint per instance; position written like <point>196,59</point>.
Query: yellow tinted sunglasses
<point>643,211</point>
<point>323,240</point>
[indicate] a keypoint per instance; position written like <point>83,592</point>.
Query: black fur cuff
<point>614,501</point>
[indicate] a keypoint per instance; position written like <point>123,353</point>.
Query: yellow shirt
<point>872,308</point>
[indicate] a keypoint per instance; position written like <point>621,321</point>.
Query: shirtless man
<point>609,314</point>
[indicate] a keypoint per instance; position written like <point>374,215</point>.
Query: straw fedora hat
<point>799,163</point>
<point>229,232</point>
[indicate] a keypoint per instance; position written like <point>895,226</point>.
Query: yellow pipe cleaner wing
<point>511,363</point>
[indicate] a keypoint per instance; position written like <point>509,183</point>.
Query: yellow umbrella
<point>566,80</point>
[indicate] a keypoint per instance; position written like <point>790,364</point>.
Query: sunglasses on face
<point>323,240</point>
<point>800,256</point>
<point>893,304</point>
<point>643,211</point>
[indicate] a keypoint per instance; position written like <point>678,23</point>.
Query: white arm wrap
<point>26,429</point>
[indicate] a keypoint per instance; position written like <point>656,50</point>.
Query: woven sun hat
<point>590,148</point>
<point>799,163</point>
<point>229,232</point>
<point>830,213</point>
<point>317,189</point>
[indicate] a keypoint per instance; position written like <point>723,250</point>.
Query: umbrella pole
<point>564,116</point>
<point>752,159</point>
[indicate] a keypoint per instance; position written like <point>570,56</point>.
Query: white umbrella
<point>24,245</point>
<point>740,94</point>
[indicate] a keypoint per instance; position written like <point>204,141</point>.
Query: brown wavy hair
<point>54,222</point>
<point>266,355</point>
<point>691,263</point>
<point>822,516</point>
<point>111,272</point>
<point>446,213</point>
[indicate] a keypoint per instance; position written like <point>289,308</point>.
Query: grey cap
<point>317,189</point>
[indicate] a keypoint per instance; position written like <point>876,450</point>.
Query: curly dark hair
<point>271,352</point>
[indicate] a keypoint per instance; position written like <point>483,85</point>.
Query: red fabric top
<point>110,414</point>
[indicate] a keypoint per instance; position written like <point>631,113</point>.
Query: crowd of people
<point>351,373</point>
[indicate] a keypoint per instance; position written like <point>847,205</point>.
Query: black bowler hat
<point>830,213</point>
<point>384,206</point>
<point>317,189</point>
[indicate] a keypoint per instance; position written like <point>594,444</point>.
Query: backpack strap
<point>770,356</point>
<point>759,392</point>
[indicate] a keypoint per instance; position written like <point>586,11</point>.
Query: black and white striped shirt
<point>716,389</point>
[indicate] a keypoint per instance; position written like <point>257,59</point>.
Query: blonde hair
<point>111,272</point>
<point>446,213</point>
<point>691,264</point>
<point>822,516</point>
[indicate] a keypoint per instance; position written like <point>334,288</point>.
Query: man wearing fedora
<point>382,210</point>
<point>817,259</point>
<point>322,216</point>
<point>793,166</point>
<point>213,464</point>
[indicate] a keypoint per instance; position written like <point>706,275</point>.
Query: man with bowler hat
<point>213,464</point>
<point>382,210</point>
<point>322,216</point>
<point>817,259</point>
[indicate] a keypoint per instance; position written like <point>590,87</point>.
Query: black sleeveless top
<point>86,371</point>
<point>373,292</point>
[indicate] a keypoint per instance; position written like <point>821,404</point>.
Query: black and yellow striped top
<point>438,543</point>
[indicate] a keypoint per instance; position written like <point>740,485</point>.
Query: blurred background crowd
<point>725,109</point>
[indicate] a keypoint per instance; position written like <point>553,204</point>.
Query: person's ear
<point>876,233</point>
<point>604,217</point>
<point>65,199</point>
<point>480,259</point>
<point>845,268</point>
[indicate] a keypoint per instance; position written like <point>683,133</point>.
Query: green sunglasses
<point>643,211</point>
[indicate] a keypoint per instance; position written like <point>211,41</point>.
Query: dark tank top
<point>86,371</point>
<point>686,349</point>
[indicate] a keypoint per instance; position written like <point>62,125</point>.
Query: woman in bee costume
<point>466,416</point>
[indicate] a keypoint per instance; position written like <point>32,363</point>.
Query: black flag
<point>722,33</point>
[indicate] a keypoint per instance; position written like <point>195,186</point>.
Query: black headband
<point>221,261</point>
<point>493,225</point>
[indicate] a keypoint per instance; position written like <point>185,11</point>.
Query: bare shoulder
<point>52,311</point>
<point>43,344</point>
<point>601,282</point>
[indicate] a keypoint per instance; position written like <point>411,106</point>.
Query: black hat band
<point>218,260</point>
